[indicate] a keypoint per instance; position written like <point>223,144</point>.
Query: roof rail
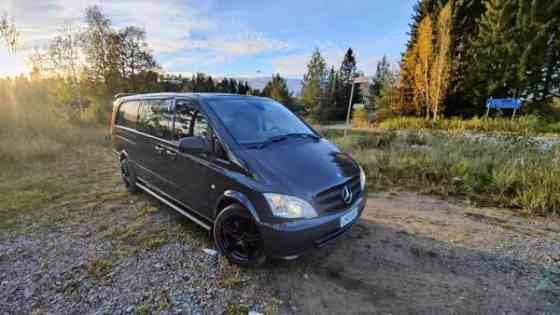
<point>119,95</point>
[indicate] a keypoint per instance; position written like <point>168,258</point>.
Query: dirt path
<point>418,254</point>
<point>89,247</point>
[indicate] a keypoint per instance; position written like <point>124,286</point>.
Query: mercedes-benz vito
<point>248,169</point>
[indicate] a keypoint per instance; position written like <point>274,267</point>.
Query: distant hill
<point>294,85</point>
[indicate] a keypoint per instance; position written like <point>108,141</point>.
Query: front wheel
<point>238,238</point>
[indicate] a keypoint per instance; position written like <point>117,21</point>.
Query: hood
<point>301,167</point>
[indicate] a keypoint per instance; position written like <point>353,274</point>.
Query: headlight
<point>289,207</point>
<point>363,178</point>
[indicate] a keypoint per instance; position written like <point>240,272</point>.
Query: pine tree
<point>346,74</point>
<point>465,17</point>
<point>538,41</point>
<point>277,89</point>
<point>333,85</point>
<point>314,85</point>
<point>494,73</point>
<point>382,73</point>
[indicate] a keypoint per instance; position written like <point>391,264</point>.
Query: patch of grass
<point>48,168</point>
<point>231,277</point>
<point>143,309</point>
<point>273,306</point>
<point>154,242</point>
<point>237,309</point>
<point>128,233</point>
<point>124,251</point>
<point>100,268</point>
<point>512,171</point>
<point>148,210</point>
<point>528,124</point>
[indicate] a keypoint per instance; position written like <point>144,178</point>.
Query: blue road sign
<point>500,103</point>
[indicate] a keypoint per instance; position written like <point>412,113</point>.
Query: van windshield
<point>253,121</point>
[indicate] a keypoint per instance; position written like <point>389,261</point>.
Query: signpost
<point>503,103</point>
<point>358,80</point>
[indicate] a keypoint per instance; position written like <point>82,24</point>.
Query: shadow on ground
<point>376,269</point>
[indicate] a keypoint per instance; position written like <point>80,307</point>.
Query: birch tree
<point>8,32</point>
<point>423,68</point>
<point>439,80</point>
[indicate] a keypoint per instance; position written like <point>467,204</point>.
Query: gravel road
<point>110,252</point>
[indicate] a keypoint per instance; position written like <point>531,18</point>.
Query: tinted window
<point>155,118</point>
<point>183,119</point>
<point>127,115</point>
<point>200,126</point>
<point>188,121</point>
<point>253,120</point>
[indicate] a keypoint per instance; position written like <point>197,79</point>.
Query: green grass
<point>100,268</point>
<point>524,125</point>
<point>43,166</point>
<point>512,172</point>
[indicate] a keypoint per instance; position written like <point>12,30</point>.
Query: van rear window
<point>128,114</point>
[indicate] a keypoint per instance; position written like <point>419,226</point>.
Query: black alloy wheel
<point>238,238</point>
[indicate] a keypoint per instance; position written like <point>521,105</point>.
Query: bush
<point>360,118</point>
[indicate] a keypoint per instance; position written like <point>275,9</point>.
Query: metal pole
<point>349,109</point>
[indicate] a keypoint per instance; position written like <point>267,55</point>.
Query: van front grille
<point>331,199</point>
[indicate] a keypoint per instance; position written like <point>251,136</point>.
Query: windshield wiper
<point>284,137</point>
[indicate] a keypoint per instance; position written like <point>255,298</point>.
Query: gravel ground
<point>101,251</point>
<point>80,270</point>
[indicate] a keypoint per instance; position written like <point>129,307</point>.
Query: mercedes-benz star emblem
<point>346,195</point>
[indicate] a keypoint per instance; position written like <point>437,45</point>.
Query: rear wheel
<point>238,238</point>
<point>128,176</point>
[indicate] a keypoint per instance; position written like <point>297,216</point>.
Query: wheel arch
<point>230,197</point>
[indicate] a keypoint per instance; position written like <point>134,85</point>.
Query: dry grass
<point>525,125</point>
<point>512,172</point>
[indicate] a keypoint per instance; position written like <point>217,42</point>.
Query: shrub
<point>360,118</point>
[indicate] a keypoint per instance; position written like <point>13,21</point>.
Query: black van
<point>246,168</point>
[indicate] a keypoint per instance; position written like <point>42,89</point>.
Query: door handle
<point>171,153</point>
<point>159,149</point>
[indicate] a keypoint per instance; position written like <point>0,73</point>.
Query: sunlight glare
<point>10,64</point>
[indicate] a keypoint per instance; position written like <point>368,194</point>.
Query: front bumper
<point>291,239</point>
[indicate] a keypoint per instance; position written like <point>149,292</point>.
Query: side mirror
<point>194,145</point>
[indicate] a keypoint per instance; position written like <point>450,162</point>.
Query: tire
<point>128,175</point>
<point>241,243</point>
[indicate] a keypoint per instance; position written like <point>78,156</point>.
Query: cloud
<point>167,23</point>
<point>223,50</point>
<point>246,44</point>
<point>180,33</point>
<point>369,64</point>
<point>295,65</point>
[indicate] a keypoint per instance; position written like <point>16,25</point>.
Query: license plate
<point>349,217</point>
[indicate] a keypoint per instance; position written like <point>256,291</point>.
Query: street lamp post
<point>356,80</point>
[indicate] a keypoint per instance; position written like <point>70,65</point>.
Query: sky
<point>243,38</point>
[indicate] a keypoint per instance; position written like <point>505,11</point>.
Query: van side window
<point>200,126</point>
<point>183,119</point>
<point>155,118</point>
<point>188,121</point>
<point>127,115</point>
